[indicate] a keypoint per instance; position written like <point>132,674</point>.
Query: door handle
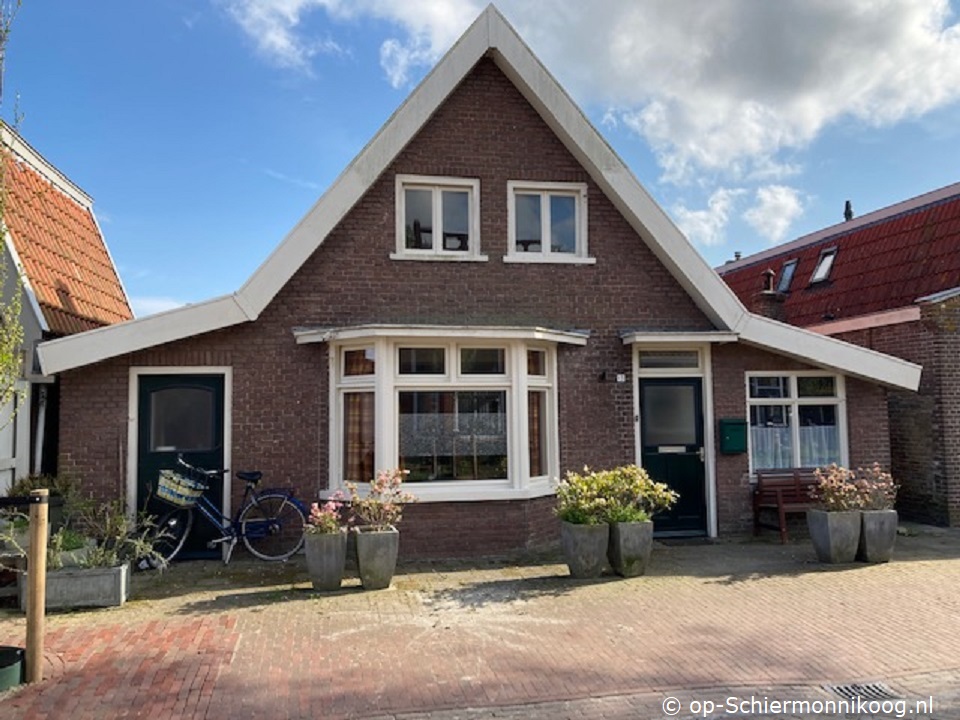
<point>702,455</point>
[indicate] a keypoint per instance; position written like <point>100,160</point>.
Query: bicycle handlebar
<point>201,471</point>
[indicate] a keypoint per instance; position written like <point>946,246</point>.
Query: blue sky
<point>205,129</point>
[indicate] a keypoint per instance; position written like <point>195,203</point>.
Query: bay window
<point>796,420</point>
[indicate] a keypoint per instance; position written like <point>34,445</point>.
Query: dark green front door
<point>180,415</point>
<point>671,436</point>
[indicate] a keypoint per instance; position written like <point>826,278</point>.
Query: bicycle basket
<point>178,490</point>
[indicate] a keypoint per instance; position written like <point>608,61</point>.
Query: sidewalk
<point>485,640</point>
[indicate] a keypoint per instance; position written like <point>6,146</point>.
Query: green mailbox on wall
<point>733,436</point>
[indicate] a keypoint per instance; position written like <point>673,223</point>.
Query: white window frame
<point>578,191</point>
<point>387,383</point>
<point>825,263</point>
<point>794,402</point>
<point>437,185</point>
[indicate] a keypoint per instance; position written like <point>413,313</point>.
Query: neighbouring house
<point>889,281</point>
<point>68,283</point>
<point>488,298</point>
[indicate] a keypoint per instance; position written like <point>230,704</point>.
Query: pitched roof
<point>67,269</point>
<point>886,260</point>
<point>489,36</point>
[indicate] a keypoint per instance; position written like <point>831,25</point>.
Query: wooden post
<point>36,583</point>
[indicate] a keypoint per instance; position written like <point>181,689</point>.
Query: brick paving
<point>502,640</point>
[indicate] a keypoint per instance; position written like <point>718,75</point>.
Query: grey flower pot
<point>326,557</point>
<point>835,535</point>
<point>584,548</point>
<point>82,587</point>
<point>630,547</point>
<point>878,534</point>
<point>377,556</point>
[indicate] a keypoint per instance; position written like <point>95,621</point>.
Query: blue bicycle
<point>270,522</point>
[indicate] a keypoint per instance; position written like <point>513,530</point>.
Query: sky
<point>205,129</point>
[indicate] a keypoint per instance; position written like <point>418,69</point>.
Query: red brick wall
<point>280,395</point>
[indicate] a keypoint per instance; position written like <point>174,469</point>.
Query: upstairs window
<point>547,222</point>
<point>786,276</point>
<point>824,265</point>
<point>438,218</point>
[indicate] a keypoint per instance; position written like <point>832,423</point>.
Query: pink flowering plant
<point>326,518</point>
<point>839,488</point>
<point>382,506</point>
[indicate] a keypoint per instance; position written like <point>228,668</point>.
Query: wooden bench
<point>787,492</point>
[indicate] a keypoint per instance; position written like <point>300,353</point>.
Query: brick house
<point>69,284</point>
<point>890,281</point>
<point>487,297</point>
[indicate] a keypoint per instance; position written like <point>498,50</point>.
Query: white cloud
<point>147,305</point>
<point>721,87</point>
<point>777,206</point>
<point>306,184</point>
<point>706,227</point>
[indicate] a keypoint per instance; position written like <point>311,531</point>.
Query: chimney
<point>848,211</point>
<point>737,255</point>
<point>768,302</point>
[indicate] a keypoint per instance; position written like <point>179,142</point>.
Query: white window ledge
<point>434,257</point>
<point>552,259</point>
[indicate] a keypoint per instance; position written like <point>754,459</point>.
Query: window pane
<point>418,217</point>
<point>669,414</point>
<point>182,419</point>
<point>770,440</point>
<point>824,266</point>
<point>537,431</point>
<point>453,435</point>
<point>456,220</point>
<point>769,387</point>
<point>528,228</point>
<point>669,359</point>
<point>422,361</point>
<point>563,224</point>
<point>482,361</point>
<point>816,387</point>
<point>536,363</point>
<point>786,276</point>
<point>819,435</point>
<point>358,362</point>
<point>359,437</point>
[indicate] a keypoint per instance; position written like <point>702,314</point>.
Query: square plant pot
<point>81,587</point>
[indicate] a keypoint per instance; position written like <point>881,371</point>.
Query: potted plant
<point>878,529</point>
<point>835,524</point>
<point>98,576</point>
<point>584,531</point>
<point>378,540</point>
<point>325,541</point>
<point>633,498</point>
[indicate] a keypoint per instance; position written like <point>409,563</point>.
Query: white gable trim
<point>485,332</point>
<point>489,33</point>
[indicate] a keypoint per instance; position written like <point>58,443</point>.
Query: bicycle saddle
<point>250,475</point>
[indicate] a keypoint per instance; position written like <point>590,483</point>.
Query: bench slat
<point>787,492</point>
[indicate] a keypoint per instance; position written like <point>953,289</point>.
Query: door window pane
<point>669,415</point>
<point>448,435</point>
<point>182,419</point>
<point>482,361</point>
<point>422,361</point>
<point>359,437</point>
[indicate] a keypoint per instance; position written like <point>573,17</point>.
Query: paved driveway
<point>481,640</point>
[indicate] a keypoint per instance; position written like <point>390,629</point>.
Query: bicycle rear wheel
<point>272,526</point>
<point>171,533</point>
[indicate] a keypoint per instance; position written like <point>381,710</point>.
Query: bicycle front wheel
<point>171,533</point>
<point>272,526</point>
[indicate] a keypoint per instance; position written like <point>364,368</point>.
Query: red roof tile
<point>63,254</point>
<point>881,264</point>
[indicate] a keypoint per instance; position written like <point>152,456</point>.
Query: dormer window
<point>547,222</point>
<point>786,276</point>
<point>437,218</point>
<point>824,265</point>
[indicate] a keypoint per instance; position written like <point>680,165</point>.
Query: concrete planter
<point>377,556</point>
<point>82,587</point>
<point>584,548</point>
<point>835,535</point>
<point>326,557</point>
<point>878,534</point>
<point>630,546</point>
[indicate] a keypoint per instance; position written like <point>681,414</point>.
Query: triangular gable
<point>490,35</point>
<point>69,277</point>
